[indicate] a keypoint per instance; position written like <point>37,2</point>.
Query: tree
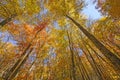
<point>110,8</point>
<point>53,43</point>
<point>14,8</point>
<point>28,48</point>
<point>65,10</point>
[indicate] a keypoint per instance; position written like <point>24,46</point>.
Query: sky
<point>90,10</point>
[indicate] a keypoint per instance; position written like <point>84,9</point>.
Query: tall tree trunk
<point>106,69</point>
<point>98,69</point>
<point>15,71</point>
<point>94,64</point>
<point>28,72</point>
<point>72,58</point>
<point>82,67</point>
<point>108,54</point>
<point>15,65</point>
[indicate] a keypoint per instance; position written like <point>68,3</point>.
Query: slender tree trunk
<point>81,74</point>
<point>15,65</point>
<point>28,72</point>
<point>7,20</point>
<point>106,69</point>
<point>83,67</point>
<point>95,67</point>
<point>15,71</point>
<point>72,58</point>
<point>108,54</point>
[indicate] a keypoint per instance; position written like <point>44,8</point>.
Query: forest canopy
<point>54,40</point>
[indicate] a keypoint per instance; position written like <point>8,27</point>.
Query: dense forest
<point>54,40</point>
